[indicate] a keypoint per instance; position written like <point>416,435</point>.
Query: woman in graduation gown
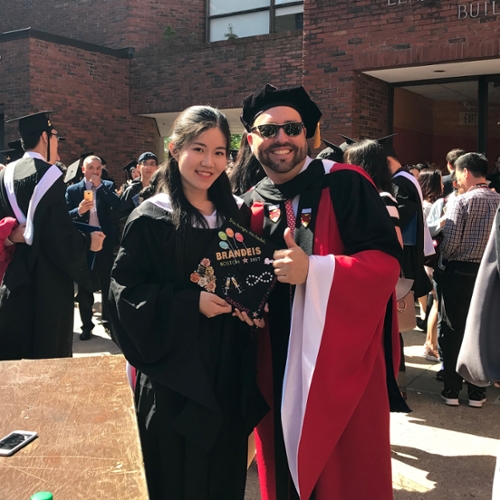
<point>196,394</point>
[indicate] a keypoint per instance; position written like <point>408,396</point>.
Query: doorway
<point>433,117</point>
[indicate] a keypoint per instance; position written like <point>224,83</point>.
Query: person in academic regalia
<point>196,395</point>
<point>417,241</point>
<point>14,152</point>
<point>322,366</point>
<point>36,294</point>
<point>147,164</point>
<point>131,173</point>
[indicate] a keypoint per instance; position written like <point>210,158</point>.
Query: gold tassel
<point>317,137</point>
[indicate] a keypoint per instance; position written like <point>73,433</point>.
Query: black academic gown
<point>363,223</point>
<point>36,294</point>
<point>197,398</point>
<point>409,206</point>
<point>129,199</point>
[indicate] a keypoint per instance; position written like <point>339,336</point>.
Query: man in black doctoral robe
<point>322,364</point>
<point>36,294</point>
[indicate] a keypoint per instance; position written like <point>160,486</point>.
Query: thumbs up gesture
<point>291,265</point>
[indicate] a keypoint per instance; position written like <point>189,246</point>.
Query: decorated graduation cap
<point>271,97</point>
<point>331,152</point>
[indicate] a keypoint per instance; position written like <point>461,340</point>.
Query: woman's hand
<point>211,305</point>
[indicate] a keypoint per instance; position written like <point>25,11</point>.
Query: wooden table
<point>88,444</point>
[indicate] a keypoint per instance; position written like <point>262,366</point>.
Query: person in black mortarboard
<point>131,171</point>
<point>328,356</point>
<point>331,152</point>
<point>6,157</point>
<point>417,240</point>
<point>14,152</point>
<point>36,294</point>
<point>147,164</point>
<point>74,171</point>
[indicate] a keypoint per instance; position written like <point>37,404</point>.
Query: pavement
<point>438,452</point>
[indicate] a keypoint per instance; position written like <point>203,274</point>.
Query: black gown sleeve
<point>407,205</point>
<point>156,322</point>
<point>363,220</point>
<point>148,306</point>
<point>68,247</point>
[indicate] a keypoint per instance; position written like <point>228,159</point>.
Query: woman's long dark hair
<point>370,156</point>
<point>431,185</point>
<point>246,169</point>
<point>189,125</point>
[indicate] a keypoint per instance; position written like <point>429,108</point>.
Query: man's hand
<point>17,234</point>
<point>85,206</point>
<point>96,241</point>
<point>211,305</point>
<point>95,180</point>
<point>291,265</point>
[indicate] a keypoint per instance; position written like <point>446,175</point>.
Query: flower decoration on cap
<point>204,276</point>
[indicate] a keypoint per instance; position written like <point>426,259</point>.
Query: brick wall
<point>89,93</point>
<point>369,110</point>
<point>184,21</point>
<point>221,73</point>
<point>342,39</point>
<point>15,80</point>
<point>111,23</point>
<point>103,22</point>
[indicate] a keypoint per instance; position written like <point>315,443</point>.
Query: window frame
<point>271,9</point>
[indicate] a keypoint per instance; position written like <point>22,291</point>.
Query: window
<point>238,18</point>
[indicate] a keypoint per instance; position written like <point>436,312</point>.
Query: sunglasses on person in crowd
<point>270,130</point>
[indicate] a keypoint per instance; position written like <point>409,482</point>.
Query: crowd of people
<point>311,384</point>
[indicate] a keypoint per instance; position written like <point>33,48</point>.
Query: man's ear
<point>250,139</point>
<point>45,137</point>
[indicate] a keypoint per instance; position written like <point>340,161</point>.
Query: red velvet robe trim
<point>346,424</point>
<point>358,416</point>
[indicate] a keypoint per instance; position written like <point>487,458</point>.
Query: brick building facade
<point>118,71</point>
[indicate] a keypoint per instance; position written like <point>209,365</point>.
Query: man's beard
<point>282,167</point>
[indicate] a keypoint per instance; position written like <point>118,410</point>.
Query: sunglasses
<point>270,130</point>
